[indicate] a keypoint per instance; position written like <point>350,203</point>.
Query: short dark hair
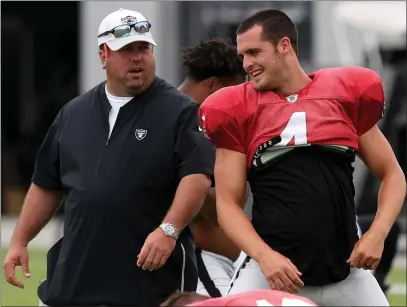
<point>183,298</point>
<point>215,57</point>
<point>276,25</point>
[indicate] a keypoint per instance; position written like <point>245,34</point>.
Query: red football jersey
<point>338,106</point>
<point>257,298</point>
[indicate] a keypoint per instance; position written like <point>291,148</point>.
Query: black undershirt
<point>304,209</point>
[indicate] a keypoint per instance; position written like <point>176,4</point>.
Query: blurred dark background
<point>40,58</point>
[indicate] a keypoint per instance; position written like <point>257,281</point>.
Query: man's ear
<point>212,84</point>
<point>103,56</point>
<point>215,84</point>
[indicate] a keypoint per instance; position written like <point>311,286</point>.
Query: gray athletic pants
<point>360,288</point>
<point>220,270</point>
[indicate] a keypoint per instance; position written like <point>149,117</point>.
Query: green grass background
<point>12,296</point>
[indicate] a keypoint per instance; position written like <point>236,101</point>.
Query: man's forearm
<point>188,200</point>
<point>38,208</point>
<point>390,202</point>
<point>239,229</point>
<point>208,210</point>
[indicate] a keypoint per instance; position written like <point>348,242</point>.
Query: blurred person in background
<point>294,136</point>
<point>212,65</point>
<point>134,170</point>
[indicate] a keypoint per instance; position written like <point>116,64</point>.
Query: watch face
<point>169,229</point>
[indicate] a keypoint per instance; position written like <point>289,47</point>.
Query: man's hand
<point>280,272</point>
<point>156,250</point>
<point>16,256</point>
<point>367,252</point>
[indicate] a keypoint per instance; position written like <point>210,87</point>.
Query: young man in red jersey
<point>293,136</point>
<point>251,298</point>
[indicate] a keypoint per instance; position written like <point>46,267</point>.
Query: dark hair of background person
<point>212,58</point>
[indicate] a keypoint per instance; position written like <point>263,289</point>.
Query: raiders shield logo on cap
<point>129,20</point>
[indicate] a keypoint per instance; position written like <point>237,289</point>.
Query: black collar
<point>136,102</point>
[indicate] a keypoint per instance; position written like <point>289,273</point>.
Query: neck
<point>297,79</point>
<point>188,87</point>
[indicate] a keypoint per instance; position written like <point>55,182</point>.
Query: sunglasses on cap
<point>140,27</point>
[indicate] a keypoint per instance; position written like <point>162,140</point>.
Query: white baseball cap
<point>119,18</point>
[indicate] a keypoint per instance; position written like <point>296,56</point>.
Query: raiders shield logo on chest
<point>140,134</point>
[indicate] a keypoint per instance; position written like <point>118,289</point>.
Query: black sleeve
<point>46,170</point>
<point>194,153</point>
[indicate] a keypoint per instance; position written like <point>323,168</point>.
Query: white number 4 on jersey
<point>296,128</point>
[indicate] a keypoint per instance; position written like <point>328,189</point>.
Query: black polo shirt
<point>117,192</point>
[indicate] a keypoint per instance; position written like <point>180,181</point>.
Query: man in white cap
<point>134,169</point>
<point>126,52</point>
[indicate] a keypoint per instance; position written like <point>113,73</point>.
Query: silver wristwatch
<point>169,230</point>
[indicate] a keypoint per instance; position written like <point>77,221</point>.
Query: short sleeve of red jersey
<point>370,98</point>
<point>220,120</point>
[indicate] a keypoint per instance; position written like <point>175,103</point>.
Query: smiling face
<point>262,60</point>
<point>130,70</point>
